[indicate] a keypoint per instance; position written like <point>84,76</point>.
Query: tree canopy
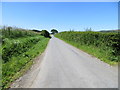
<point>54,31</point>
<point>45,33</point>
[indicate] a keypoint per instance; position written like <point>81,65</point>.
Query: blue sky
<point>62,16</point>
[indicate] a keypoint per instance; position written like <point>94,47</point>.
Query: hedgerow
<point>107,42</point>
<point>16,47</point>
<point>19,47</point>
<point>14,32</point>
<point>19,57</point>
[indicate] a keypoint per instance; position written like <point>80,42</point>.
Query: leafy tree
<point>54,31</point>
<point>45,33</point>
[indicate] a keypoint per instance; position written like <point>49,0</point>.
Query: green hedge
<point>19,47</point>
<point>17,53</point>
<point>13,33</point>
<point>16,47</point>
<point>105,41</point>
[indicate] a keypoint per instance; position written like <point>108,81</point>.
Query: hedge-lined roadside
<point>19,48</point>
<point>16,47</point>
<point>20,54</point>
<point>104,46</point>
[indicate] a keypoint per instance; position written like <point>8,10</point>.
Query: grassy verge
<point>22,60</point>
<point>92,50</point>
<point>0,73</point>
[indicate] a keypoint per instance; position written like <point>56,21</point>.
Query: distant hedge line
<point>11,32</point>
<point>105,41</point>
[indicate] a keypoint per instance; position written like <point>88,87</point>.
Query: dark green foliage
<point>104,41</point>
<point>36,30</point>
<point>54,31</point>
<point>45,33</point>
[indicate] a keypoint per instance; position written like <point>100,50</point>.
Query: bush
<point>45,33</point>
<point>54,31</point>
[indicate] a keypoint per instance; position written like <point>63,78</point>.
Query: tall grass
<point>105,46</point>
<point>13,32</point>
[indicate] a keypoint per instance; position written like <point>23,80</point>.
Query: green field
<point>19,48</point>
<point>104,46</point>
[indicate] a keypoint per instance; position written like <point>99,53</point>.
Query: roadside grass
<point>103,55</point>
<point>19,64</point>
<point>0,73</point>
<point>0,61</point>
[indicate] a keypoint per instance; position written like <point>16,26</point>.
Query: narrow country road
<point>64,66</point>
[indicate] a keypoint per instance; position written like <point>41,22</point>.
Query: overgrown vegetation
<point>19,47</point>
<point>14,33</point>
<point>105,46</point>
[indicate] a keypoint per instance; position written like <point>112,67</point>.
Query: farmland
<point>104,46</point>
<point>19,48</point>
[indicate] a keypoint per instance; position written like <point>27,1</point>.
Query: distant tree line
<point>45,33</point>
<point>14,32</point>
<point>54,31</point>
